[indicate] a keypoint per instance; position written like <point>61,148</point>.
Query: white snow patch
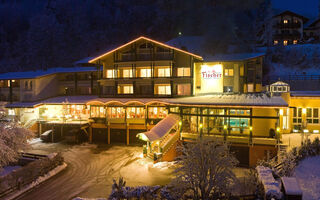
<point>308,176</point>
<point>38,181</point>
<point>291,186</point>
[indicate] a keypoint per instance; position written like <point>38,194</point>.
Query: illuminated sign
<point>211,78</point>
<point>211,72</point>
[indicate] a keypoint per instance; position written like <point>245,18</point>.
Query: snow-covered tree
<point>263,23</point>
<point>205,170</point>
<point>13,139</point>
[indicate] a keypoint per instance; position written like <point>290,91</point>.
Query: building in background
<point>287,28</point>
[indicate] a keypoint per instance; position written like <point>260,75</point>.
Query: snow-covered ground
<point>308,176</point>
<point>294,139</point>
<point>91,169</point>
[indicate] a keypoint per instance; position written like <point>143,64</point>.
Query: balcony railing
<point>126,57</point>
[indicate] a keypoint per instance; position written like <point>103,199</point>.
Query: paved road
<point>91,170</point>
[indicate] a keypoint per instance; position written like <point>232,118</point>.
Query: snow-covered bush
<point>13,139</point>
<point>29,173</point>
<point>205,171</point>
<point>284,165</point>
<point>121,191</point>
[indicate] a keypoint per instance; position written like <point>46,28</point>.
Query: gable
<point>144,44</point>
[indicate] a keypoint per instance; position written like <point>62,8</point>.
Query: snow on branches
<point>13,139</point>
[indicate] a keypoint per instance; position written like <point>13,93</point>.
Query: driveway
<point>91,169</point>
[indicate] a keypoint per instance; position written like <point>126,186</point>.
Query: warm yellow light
<point>278,129</point>
<point>304,110</point>
<point>295,131</point>
<point>143,137</point>
<point>250,128</point>
<point>180,123</point>
<point>305,130</point>
<point>225,127</point>
<point>281,111</point>
<point>315,131</point>
<point>201,125</point>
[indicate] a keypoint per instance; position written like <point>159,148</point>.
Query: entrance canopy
<point>161,129</point>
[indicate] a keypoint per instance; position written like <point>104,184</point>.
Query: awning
<point>161,128</point>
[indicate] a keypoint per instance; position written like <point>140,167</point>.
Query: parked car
<point>46,136</point>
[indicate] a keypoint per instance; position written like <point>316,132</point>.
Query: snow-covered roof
<point>194,44</point>
<point>39,73</point>
<point>288,12</point>
<point>249,99</point>
<point>197,45</point>
<point>83,61</point>
<point>55,100</point>
<point>162,128</point>
<point>305,93</point>
<point>279,83</point>
<point>232,57</point>
<point>291,186</point>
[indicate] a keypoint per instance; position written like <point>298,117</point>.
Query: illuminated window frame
<point>183,72</point>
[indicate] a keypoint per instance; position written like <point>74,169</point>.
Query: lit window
<point>295,41</point>
<point>127,73</point>
<point>135,112</point>
<point>164,72</point>
<point>285,21</point>
<point>241,70</point>
<point>146,73</point>
<point>109,73</point>
<point>157,112</point>
<point>163,89</point>
<point>116,112</point>
<point>275,42</point>
<point>183,71</point>
<point>285,42</point>
<point>125,89</point>
<point>184,89</point>
<point>228,72</point>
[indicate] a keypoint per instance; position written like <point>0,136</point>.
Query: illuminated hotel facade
<point>163,95</point>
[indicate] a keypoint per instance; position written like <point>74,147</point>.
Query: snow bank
<point>308,176</point>
<point>270,185</point>
<point>291,186</point>
<point>37,181</point>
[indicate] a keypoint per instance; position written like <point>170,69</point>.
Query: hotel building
<point>152,91</point>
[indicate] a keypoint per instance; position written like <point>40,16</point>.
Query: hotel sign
<point>211,72</point>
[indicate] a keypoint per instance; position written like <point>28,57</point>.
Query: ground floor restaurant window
<point>135,112</point>
<point>116,112</point>
<point>215,121</point>
<point>98,112</point>
<point>157,112</point>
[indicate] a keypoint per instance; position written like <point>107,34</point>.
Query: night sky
<point>309,8</point>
